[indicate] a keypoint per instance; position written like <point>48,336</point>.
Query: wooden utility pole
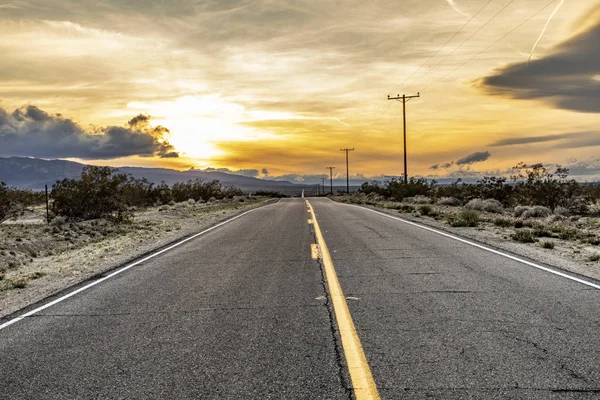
<point>404,99</point>
<point>330,179</point>
<point>323,185</point>
<point>347,170</point>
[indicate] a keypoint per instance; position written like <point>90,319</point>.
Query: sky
<point>276,88</point>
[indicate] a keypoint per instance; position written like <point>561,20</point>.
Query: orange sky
<point>282,85</point>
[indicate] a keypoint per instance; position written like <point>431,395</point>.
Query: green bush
<point>97,194</point>
<point>425,209</point>
<point>464,218</point>
<point>488,205</point>
<point>594,257</point>
<point>503,222</point>
<point>523,237</point>
<point>547,244</point>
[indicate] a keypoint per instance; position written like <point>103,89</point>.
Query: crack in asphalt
<point>332,326</point>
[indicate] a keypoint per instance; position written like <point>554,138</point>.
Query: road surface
<point>244,311</point>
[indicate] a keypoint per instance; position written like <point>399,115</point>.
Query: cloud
<point>253,173</point>
<point>474,158</point>
<point>30,131</point>
<point>566,140</point>
<point>566,78</point>
<point>435,166</point>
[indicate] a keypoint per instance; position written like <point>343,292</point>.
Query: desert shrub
<point>594,240</point>
<point>492,187</point>
<point>519,210</point>
<point>537,212</point>
<point>199,190</point>
<point>425,209</point>
<point>99,193</point>
<point>399,190</point>
<point>19,283</point>
<point>488,205</point>
<point>547,244</point>
<point>503,222</point>
<point>405,208</point>
<point>539,230</point>
<point>594,209</point>
<point>523,237</point>
<point>458,190</point>
<point>417,200</point>
<point>9,206</point>
<point>449,201</point>
<point>562,211</point>
<point>464,218</point>
<point>536,185</point>
<point>160,194</point>
<point>594,257</point>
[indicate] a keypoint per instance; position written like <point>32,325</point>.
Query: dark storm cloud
<point>474,158</point>
<point>29,131</point>
<point>566,78</point>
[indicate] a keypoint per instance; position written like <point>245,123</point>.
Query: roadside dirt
<point>37,260</point>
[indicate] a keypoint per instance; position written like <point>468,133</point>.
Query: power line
<point>465,41</point>
<point>491,45</point>
<point>445,44</point>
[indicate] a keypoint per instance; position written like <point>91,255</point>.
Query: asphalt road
<point>243,312</point>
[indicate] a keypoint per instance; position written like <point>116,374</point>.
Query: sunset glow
<point>282,86</point>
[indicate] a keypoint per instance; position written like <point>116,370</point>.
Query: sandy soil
<point>37,260</point>
<point>575,239</point>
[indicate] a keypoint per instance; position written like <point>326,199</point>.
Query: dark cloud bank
<point>568,77</point>
<point>479,156</point>
<point>32,132</point>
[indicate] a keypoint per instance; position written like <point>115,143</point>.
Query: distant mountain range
<point>34,173</point>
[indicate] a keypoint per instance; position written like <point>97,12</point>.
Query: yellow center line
<point>360,373</point>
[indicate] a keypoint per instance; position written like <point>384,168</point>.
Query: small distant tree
<point>536,185</point>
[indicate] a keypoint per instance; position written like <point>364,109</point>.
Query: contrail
<point>458,10</point>
<point>342,122</point>
<point>544,30</point>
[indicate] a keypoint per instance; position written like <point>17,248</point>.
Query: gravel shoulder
<point>574,254</point>
<point>37,261</point>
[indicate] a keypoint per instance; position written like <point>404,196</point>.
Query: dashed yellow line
<point>360,373</point>
<point>314,251</point>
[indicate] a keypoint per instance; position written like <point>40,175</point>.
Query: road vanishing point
<point>312,299</point>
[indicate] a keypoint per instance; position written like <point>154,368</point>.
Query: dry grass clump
<point>487,205</point>
<point>449,201</point>
<point>464,218</point>
<point>418,199</point>
<point>526,212</point>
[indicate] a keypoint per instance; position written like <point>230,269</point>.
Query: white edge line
<point>117,272</point>
<point>531,264</point>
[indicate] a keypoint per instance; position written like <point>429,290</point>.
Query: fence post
<point>47,207</point>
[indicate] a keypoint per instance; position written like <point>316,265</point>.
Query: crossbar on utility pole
<point>330,179</point>
<point>404,99</point>
<point>347,170</point>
